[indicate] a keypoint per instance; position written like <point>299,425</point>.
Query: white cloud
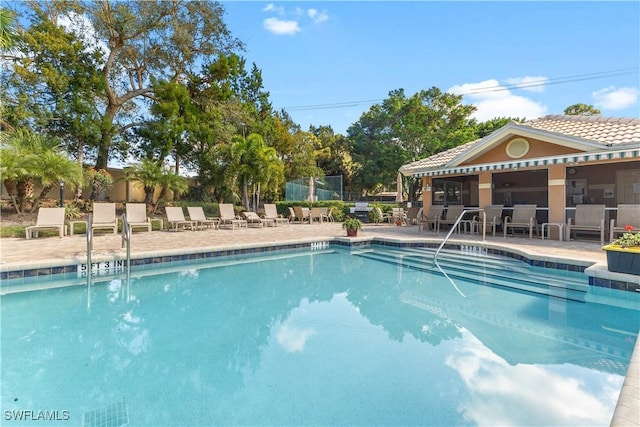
<point>611,98</point>
<point>293,340</point>
<point>529,83</point>
<point>273,8</point>
<point>530,394</point>
<point>316,16</point>
<point>279,26</point>
<point>493,100</point>
<point>81,26</point>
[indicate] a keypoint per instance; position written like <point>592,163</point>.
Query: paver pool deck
<point>23,254</point>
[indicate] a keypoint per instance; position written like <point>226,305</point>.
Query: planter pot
<point>352,233</point>
<point>623,261</point>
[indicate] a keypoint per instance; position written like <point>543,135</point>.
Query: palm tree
<point>49,169</point>
<point>28,159</point>
<point>254,164</point>
<point>170,181</point>
<point>148,174</point>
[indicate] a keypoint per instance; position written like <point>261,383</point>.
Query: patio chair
<point>176,219</point>
<point>315,214</point>
<point>588,218</point>
<point>382,216</point>
<point>493,215</point>
<point>452,214</point>
<point>292,215</point>
<point>253,219</point>
<point>523,216</point>
<point>228,217</point>
<point>48,219</point>
<point>398,214</point>
<point>431,218</point>
<point>104,217</point>
<point>301,214</point>
<point>137,216</point>
<point>196,213</point>
<point>271,212</point>
<point>326,214</point>
<point>628,215</point>
<point>413,215</point>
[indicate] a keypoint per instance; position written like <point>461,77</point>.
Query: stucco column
<point>557,196</point>
<point>426,194</point>
<point>484,189</point>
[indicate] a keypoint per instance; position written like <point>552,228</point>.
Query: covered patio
<point>555,162</point>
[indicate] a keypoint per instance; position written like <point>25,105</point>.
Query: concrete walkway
<point>19,253</point>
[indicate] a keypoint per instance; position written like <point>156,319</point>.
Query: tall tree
<point>53,85</point>
<point>581,110</point>
<point>402,129</point>
<point>483,129</point>
<point>138,41</point>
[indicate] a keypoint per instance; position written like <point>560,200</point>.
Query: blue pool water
<point>327,337</point>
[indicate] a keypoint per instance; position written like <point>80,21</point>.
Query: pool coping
<point>598,274</point>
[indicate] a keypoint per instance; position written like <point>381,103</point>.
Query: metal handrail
<point>89,240</point>
<point>89,248</point>
<point>126,237</point>
<point>453,228</point>
<point>455,225</point>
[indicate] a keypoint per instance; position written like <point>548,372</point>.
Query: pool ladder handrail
<point>126,238</point>
<point>453,228</point>
<point>89,240</point>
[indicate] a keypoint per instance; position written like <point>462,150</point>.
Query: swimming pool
<point>367,336</point>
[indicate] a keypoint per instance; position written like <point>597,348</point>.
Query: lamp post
<point>61,193</point>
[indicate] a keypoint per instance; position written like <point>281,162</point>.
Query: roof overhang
<point>631,153</point>
<point>513,129</point>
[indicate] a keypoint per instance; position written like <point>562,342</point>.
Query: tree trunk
<point>36,202</point>
<point>78,195</point>
<point>245,195</point>
<point>21,190</point>
<point>107,133</point>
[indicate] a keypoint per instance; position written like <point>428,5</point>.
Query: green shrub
<point>627,240</point>
<point>12,231</point>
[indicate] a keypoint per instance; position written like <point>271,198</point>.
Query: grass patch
<point>14,231</point>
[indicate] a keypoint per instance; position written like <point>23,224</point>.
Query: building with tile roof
<point>555,162</point>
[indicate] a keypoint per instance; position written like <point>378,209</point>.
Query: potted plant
<point>352,225</point>
<point>623,253</point>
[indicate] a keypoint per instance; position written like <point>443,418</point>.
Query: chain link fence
<point>319,188</point>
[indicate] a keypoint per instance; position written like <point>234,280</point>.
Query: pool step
<point>487,270</point>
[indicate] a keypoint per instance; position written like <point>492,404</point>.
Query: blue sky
<point>327,62</point>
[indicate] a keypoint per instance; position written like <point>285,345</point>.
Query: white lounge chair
<point>137,216</point>
<point>196,213</point>
<point>48,219</point>
<point>271,212</point>
<point>524,216</point>
<point>302,214</point>
<point>255,220</point>
<point>228,217</point>
<point>176,219</point>
<point>104,217</point>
